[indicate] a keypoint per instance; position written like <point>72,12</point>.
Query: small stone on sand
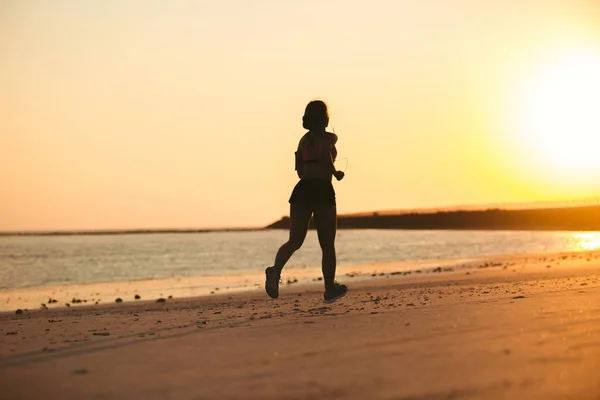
<point>80,371</point>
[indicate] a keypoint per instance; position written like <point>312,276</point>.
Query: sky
<point>186,114</point>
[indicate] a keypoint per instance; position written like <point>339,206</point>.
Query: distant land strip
<point>583,218</point>
<point>551,219</point>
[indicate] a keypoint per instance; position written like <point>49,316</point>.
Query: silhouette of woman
<point>313,195</point>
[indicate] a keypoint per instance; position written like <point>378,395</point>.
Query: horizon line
<point>483,207</point>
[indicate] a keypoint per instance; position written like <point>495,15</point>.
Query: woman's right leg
<point>299,220</point>
<point>326,224</point>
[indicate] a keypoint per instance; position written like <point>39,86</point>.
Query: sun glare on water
<point>585,241</point>
<point>559,114</point>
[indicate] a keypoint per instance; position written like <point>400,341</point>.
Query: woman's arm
<point>339,175</point>
<point>299,160</point>
<point>328,159</point>
<point>299,164</point>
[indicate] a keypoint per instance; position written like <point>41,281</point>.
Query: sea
<point>39,261</point>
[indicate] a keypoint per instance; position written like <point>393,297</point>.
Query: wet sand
<point>518,327</point>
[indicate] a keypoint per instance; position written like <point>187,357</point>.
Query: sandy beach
<point>512,327</point>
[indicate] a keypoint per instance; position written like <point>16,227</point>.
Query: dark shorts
<point>312,192</point>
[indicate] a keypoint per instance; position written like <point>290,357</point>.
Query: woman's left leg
<point>299,220</point>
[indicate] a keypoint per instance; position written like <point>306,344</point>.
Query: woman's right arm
<point>299,164</point>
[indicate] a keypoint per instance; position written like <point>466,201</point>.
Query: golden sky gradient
<point>154,114</point>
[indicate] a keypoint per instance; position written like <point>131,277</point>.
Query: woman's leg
<point>326,224</point>
<point>299,220</point>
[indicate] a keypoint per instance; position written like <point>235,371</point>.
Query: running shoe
<point>335,292</point>
<point>272,282</point>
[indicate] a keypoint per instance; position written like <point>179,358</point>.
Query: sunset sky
<point>183,114</point>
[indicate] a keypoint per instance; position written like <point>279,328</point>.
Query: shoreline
<point>92,294</point>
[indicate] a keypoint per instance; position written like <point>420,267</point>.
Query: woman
<point>313,195</point>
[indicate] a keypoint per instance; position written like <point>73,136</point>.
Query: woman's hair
<point>315,116</point>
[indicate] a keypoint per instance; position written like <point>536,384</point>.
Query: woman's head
<point>315,116</point>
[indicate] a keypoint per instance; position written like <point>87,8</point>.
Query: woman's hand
<point>339,175</point>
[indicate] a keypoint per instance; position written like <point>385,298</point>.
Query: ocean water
<point>34,261</point>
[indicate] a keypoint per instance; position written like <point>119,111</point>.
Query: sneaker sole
<point>335,298</point>
<point>266,290</point>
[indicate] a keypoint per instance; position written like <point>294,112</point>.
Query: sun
<point>559,114</point>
